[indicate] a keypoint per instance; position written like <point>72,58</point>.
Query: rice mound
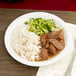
<point>25,43</point>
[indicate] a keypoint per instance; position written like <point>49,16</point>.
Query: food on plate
<point>25,43</point>
<point>41,26</point>
<point>38,39</point>
<point>51,44</point>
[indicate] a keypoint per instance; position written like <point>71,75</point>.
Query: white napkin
<point>59,68</point>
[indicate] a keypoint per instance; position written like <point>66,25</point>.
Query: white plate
<point>21,20</point>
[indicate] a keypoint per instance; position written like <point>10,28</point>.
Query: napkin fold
<point>59,68</point>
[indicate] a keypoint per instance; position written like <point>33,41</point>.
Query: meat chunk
<point>44,54</point>
<point>43,39</point>
<point>43,36</point>
<point>57,38</point>
<point>47,45</point>
<point>56,43</point>
<point>52,34</point>
<point>43,42</point>
<point>62,42</point>
<point>52,50</point>
<point>60,34</point>
<point>56,34</point>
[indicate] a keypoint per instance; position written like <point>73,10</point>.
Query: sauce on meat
<point>51,44</point>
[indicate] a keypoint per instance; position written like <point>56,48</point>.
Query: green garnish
<point>41,26</point>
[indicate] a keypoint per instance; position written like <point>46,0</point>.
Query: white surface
<point>20,20</point>
<point>59,68</point>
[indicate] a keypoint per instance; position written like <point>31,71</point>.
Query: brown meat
<point>43,36</point>
<point>44,54</point>
<point>43,42</point>
<point>57,38</point>
<point>52,34</point>
<point>56,43</point>
<point>52,43</point>
<point>47,45</point>
<point>60,34</point>
<point>43,39</point>
<point>56,33</point>
<point>52,50</point>
<point>62,42</point>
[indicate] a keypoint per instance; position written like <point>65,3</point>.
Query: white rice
<point>25,43</point>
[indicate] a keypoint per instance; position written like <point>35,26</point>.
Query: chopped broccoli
<point>41,26</point>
